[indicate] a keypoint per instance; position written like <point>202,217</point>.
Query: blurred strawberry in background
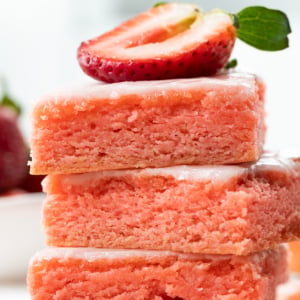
<point>14,153</point>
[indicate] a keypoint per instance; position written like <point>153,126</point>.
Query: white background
<point>38,42</point>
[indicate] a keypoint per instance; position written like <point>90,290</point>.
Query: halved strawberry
<point>168,41</point>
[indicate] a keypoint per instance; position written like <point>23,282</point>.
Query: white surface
<point>20,234</point>
<point>11,291</point>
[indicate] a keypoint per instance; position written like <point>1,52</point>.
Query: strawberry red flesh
<point>168,41</point>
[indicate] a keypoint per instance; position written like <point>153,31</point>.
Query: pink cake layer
<point>216,120</point>
<point>86,273</point>
<point>232,209</point>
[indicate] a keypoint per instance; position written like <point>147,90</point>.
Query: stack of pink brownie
<point>160,190</point>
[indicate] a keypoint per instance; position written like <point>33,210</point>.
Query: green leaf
<point>235,20</point>
<point>7,100</point>
<point>263,28</point>
<point>159,4</point>
<point>231,64</point>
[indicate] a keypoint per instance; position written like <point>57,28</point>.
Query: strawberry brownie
<point>208,120</point>
<point>229,209</point>
<point>89,273</point>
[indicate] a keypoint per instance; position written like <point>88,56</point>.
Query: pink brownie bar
<point>87,273</point>
<point>216,120</point>
<point>230,209</point>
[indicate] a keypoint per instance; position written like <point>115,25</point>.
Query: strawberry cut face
<point>168,41</point>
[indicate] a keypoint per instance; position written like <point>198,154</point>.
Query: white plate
<point>21,233</point>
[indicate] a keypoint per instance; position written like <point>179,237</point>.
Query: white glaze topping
<point>91,254</point>
<point>217,173</point>
<point>99,90</point>
<point>276,161</point>
<point>214,173</point>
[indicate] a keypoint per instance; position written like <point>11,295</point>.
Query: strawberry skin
<point>13,151</point>
<point>168,41</point>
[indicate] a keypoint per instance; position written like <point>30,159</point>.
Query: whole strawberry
<point>13,150</point>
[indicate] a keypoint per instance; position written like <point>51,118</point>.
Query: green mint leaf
<point>6,100</point>
<point>263,28</point>
<point>159,4</point>
<point>231,64</point>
